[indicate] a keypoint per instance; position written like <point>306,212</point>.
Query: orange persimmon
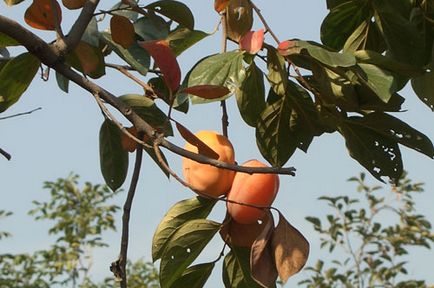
<point>207,179</point>
<point>255,189</point>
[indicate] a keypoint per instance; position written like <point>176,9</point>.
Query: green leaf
<point>224,69</point>
<point>135,55</point>
<point>15,77</point>
<point>273,130</point>
<point>423,85</point>
<point>113,158</point>
<point>381,82</point>
<point>397,130</point>
<point>178,214</point>
<point>251,95</point>
<point>195,276</point>
<point>177,11</point>
<point>277,73</point>
<point>342,21</point>
<point>184,246</point>
<point>405,40</point>
<point>62,82</point>
<point>379,154</point>
<point>160,88</point>
<point>148,111</point>
<point>236,269</point>
<point>6,41</point>
<point>182,38</point>
<point>151,27</point>
<point>330,58</point>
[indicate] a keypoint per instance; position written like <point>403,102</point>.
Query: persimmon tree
<point>289,91</point>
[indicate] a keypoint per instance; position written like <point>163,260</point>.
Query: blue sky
<point>63,137</point>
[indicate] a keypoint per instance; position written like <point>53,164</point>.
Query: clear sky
<point>63,137</point>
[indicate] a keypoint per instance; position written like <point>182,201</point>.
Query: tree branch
<point>5,154</point>
<point>49,57</point>
<point>225,117</point>
<point>126,216</point>
<point>20,114</point>
<point>74,36</point>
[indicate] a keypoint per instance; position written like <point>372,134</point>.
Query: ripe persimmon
<point>255,189</point>
<point>207,179</point>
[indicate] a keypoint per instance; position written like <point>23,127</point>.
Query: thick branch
<point>48,56</point>
<point>77,30</point>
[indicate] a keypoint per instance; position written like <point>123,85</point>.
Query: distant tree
<point>374,231</point>
<point>79,217</point>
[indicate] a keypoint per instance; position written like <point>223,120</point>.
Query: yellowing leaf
<point>291,249</point>
<point>39,15</point>
<point>122,31</point>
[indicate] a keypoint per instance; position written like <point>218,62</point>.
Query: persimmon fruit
<point>207,179</point>
<point>254,189</point>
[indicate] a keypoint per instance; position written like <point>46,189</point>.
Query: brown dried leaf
<point>262,264</point>
<point>122,31</point>
<point>73,4</point>
<point>220,5</point>
<point>239,19</point>
<point>291,249</point>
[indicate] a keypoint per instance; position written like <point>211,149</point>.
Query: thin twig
<point>5,154</point>
<point>225,117</point>
<point>20,114</point>
<point>261,17</point>
<point>124,71</point>
<point>122,260</point>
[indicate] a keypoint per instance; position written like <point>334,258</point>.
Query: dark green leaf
<point>180,213</point>
<point>184,246</point>
<point>380,155</point>
<point>15,78</point>
<point>398,130</point>
<point>182,38</point>
<point>381,82</point>
<point>236,269</point>
<point>148,111</point>
<point>342,21</point>
<point>405,41</point>
<point>177,11</point>
<point>224,69</point>
<point>195,276</point>
<point>423,85</point>
<point>239,19</point>
<point>6,41</point>
<point>277,72</point>
<point>273,130</point>
<point>135,55</point>
<point>62,82</point>
<point>251,95</point>
<point>113,158</point>
<point>151,27</point>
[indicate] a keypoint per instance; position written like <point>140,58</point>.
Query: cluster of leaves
<point>80,217</point>
<point>259,252</point>
<point>374,233</point>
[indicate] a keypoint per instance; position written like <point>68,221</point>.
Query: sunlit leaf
<point>224,69</point>
<point>39,15</point>
<point>15,78</point>
<point>290,248</point>
<point>184,246</point>
<point>113,158</point>
<point>252,41</point>
<point>166,61</point>
<point>178,214</point>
